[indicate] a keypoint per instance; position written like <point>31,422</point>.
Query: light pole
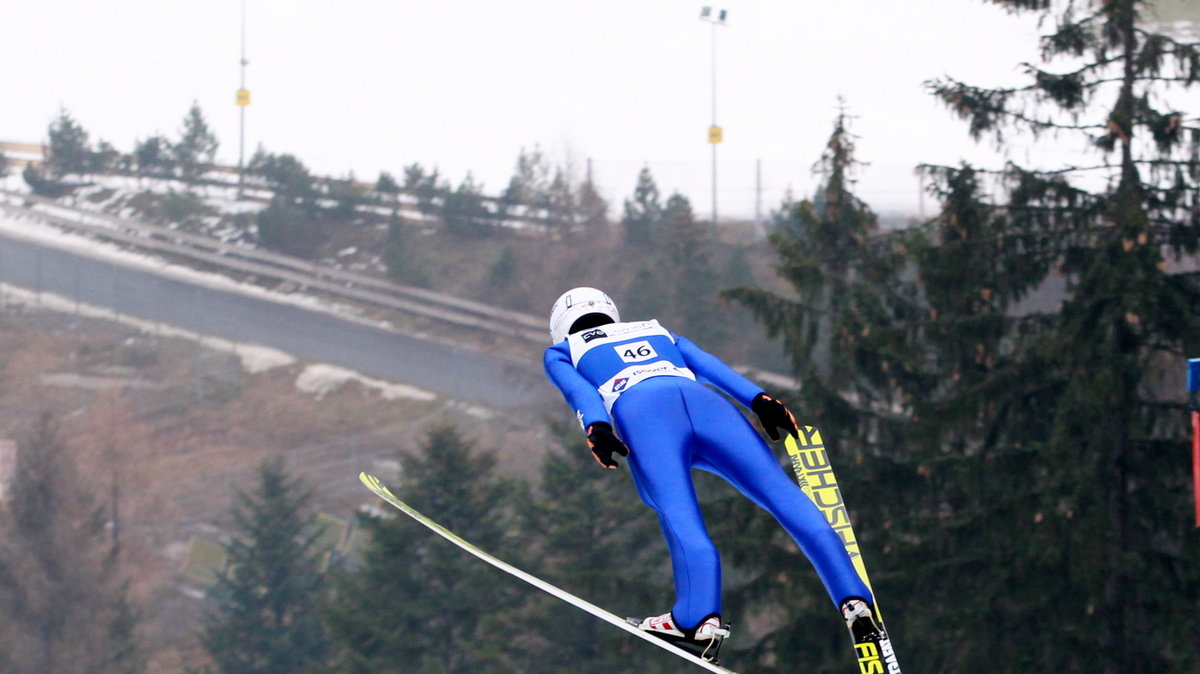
<point>243,101</point>
<point>715,133</point>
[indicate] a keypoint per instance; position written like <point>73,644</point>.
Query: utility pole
<point>243,101</point>
<point>921,195</point>
<point>757,193</point>
<point>715,133</point>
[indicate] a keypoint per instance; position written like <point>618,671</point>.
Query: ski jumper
<point>650,382</point>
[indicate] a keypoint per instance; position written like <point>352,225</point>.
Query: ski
<point>373,483</point>
<point>814,472</point>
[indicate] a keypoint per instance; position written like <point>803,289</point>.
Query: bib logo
<point>593,334</point>
<point>620,384</point>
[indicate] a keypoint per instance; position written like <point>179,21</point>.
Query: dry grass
<point>182,429</point>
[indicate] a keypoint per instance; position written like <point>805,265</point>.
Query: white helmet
<point>575,304</point>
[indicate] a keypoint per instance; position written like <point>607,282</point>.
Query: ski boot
<point>703,640</point>
<point>871,642</point>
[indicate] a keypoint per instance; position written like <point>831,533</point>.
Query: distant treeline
<point>658,258</point>
<point>540,196</point>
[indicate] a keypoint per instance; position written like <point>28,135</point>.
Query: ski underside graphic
<point>810,461</point>
<point>384,493</point>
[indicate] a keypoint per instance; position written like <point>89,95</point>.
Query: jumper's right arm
<point>581,395</point>
<point>771,412</point>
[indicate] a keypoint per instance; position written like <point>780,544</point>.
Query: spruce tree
<point>529,187</point>
<point>63,607</point>
<point>417,602</point>
<point>464,210</point>
<point>643,213</point>
<point>843,331</point>
<point>266,615</point>
<point>947,505</point>
<point>688,251</point>
<point>845,278</point>
<point>291,222</point>
<point>561,202</point>
<point>153,156</point>
<point>1070,404</point>
<point>503,274</point>
<point>68,146</point>
<point>593,209</point>
<point>287,177</point>
<point>428,187</point>
<point>387,188</point>
<point>197,146</point>
<point>105,159</point>
<point>347,196</point>
<point>386,184</point>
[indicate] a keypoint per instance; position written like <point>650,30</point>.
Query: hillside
<point>516,268</point>
<point>171,428</point>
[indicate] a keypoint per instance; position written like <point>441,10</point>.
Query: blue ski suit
<point>650,382</point>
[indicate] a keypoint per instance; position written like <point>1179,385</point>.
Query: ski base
<point>378,488</point>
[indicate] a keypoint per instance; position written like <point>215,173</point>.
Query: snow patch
<point>476,411</point>
<point>192,592</point>
<point>322,379</point>
<point>175,551</point>
<point>256,359</point>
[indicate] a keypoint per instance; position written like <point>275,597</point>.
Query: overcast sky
<point>463,85</point>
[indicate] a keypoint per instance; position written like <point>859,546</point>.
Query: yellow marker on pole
<point>243,97</point>
<point>715,134</point>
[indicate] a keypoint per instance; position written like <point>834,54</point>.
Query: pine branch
<point>1092,84</point>
<point>1160,78</point>
<point>987,109</point>
<point>1007,171</point>
<point>1098,65</point>
<point>1177,47</point>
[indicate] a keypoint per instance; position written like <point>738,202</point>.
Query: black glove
<point>773,416</point>
<point>604,444</point>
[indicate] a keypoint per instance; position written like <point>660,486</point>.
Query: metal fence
<point>268,264</point>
